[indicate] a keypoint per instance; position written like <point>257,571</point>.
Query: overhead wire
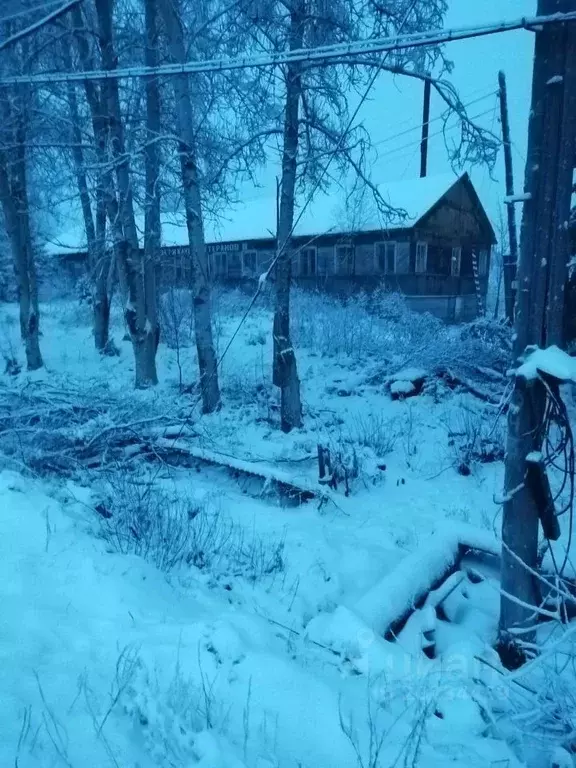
<point>410,144</point>
<point>319,54</point>
<point>43,5</point>
<point>418,126</point>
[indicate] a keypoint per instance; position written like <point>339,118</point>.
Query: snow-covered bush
<point>72,314</point>
<point>9,344</point>
<point>486,343</point>
<point>475,437</point>
<point>372,430</point>
<point>172,532</point>
<point>83,289</point>
<point>365,325</point>
<point>176,318</point>
<point>330,327</point>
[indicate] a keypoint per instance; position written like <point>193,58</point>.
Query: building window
<point>421,257</point>
<point>219,264</point>
<point>483,262</point>
<point>386,257</point>
<point>344,260</point>
<point>456,263</point>
<point>307,259</point>
<point>249,263</point>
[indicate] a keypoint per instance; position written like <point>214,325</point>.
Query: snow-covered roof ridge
<point>327,213</point>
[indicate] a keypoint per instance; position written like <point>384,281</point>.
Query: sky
<point>395,105</point>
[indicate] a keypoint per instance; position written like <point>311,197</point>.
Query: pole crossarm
<point>319,55</point>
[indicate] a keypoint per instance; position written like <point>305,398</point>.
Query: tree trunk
<point>285,373</point>
<point>541,278</point>
<point>95,240</point>
<point>14,195</point>
<point>207,361</point>
<point>102,286</point>
<point>152,231</point>
<point>140,316</point>
<point>106,200</point>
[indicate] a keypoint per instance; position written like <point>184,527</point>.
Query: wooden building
<point>437,254</point>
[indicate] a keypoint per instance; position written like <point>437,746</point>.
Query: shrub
<point>365,325</point>
<point>176,317</point>
<point>475,438</point>
<point>139,519</point>
<point>375,432</point>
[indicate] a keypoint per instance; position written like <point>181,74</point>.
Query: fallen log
<point>296,491</point>
<point>457,380</point>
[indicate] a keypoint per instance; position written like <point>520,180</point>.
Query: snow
<point>256,219</point>
<point>552,361</point>
<point>409,374</point>
<point>519,198</point>
<point>222,666</point>
<point>398,591</point>
<point>400,387</point>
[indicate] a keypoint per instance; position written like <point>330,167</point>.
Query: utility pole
<point>510,260</point>
<point>425,128</point>
<point>541,278</point>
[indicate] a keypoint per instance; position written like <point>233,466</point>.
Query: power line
<point>320,54</point>
<point>418,126</point>
<point>415,143</point>
<point>41,6</point>
<point>38,24</point>
<point>411,144</point>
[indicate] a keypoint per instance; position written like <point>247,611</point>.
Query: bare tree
<point>152,233</point>
<point>16,209</point>
<point>285,375</point>
<point>136,281</point>
<point>94,217</point>
<point>207,361</point>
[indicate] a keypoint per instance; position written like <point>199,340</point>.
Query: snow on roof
<point>327,213</point>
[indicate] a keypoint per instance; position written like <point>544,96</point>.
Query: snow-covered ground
<point>256,638</point>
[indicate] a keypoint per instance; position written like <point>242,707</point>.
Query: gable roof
<point>327,213</point>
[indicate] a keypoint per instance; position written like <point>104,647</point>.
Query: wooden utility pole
<point>510,260</point>
<point>541,278</point>
<point>425,128</point>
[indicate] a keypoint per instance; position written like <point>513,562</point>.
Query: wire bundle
<point>557,442</point>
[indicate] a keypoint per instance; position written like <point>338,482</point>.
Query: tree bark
<point>285,374</point>
<point>541,277</point>
<point>140,316</point>
<point>14,195</point>
<point>152,231</point>
<point>207,361</point>
<point>102,286</point>
<point>95,233</point>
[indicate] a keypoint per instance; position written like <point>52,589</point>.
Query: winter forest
<point>287,383</point>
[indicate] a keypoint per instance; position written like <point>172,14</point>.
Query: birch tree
<point>285,371</point>
<point>152,232</point>
<point>14,194</point>
<point>93,206</point>
<point>136,280</point>
<point>192,198</point>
